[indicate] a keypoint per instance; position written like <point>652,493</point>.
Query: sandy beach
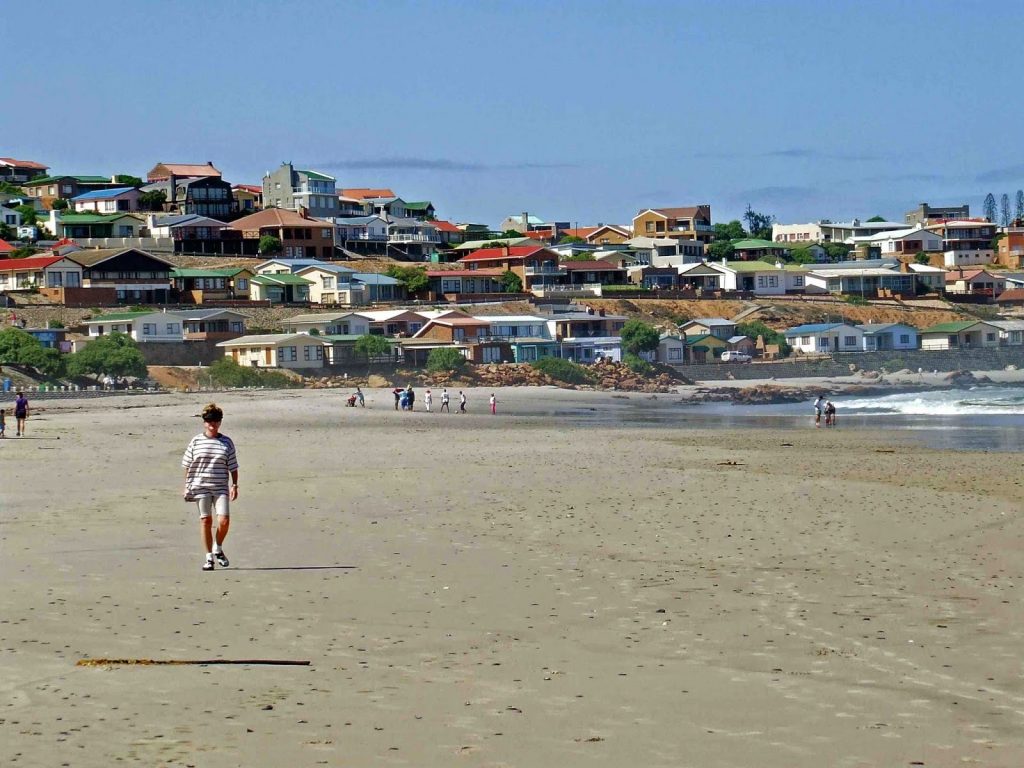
<point>505,591</point>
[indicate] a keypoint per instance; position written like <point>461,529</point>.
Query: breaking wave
<point>989,401</point>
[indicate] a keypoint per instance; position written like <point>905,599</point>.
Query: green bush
<point>564,370</point>
<point>227,373</point>
<point>857,301</point>
<point>638,365</point>
<point>445,360</point>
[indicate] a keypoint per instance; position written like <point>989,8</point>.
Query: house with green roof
<point>964,334</point>
<point>423,210</point>
<point>293,189</point>
<point>141,326</point>
<point>754,249</point>
<point>196,286</point>
<point>281,288</point>
<point>83,226</point>
<point>757,277</point>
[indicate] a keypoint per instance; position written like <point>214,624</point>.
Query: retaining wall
<point>181,353</point>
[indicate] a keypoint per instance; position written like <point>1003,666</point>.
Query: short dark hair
<point>212,413</point>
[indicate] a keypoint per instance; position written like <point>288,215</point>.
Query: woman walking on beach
<point>494,404</point>
<point>21,412</point>
<point>209,462</point>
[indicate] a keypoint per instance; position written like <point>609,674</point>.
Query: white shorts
<point>207,505</point>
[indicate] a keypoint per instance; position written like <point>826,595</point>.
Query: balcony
<point>409,238</point>
<point>553,270</point>
<point>364,236</point>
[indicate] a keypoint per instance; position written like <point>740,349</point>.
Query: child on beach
<point>444,400</point>
<point>210,463</point>
<point>3,422</point>
<point>830,414</point>
<point>462,401</point>
<point>428,398</point>
<point>494,404</point>
<point>819,404</point>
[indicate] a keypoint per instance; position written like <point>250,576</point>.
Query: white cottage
<point>825,338</point>
<point>295,351</point>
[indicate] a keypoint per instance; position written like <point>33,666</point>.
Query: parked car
<point>731,356</point>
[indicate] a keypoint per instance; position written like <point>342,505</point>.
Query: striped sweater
<point>209,462</point>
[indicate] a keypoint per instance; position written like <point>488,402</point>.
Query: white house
<point>516,326</point>
<point>297,351</point>
<point>39,272</point>
<point>143,327</point>
<point>759,277</point>
<point>898,242</point>
<point>333,284</point>
<point>117,200</point>
<point>330,323</point>
<point>1011,332</point>
<point>965,334</point>
<point>360,229</point>
<point>825,338</point>
<point>888,336</point>
<point>671,349</point>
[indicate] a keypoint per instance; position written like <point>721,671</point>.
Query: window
<point>149,329</point>
<point>849,341</point>
<point>125,231</point>
<point>805,341</point>
<point>904,338</point>
<point>675,353</point>
<point>241,284</point>
<point>990,337</point>
<point>328,282</point>
<point>65,189</point>
<point>491,354</point>
<point>254,350</point>
<point>313,353</point>
<point>53,279</point>
<point>287,354</point>
<point>798,281</point>
<point>325,233</point>
<point>173,329</point>
<point>649,226</point>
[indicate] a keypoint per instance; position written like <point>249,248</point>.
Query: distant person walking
<point>3,422</point>
<point>494,404</point>
<point>428,398</point>
<point>819,406</point>
<point>444,401</point>
<point>21,412</point>
<point>209,463</point>
<point>830,414</point>
<point>360,397</point>
<point>397,392</point>
<point>462,401</point>
<point>412,396</point>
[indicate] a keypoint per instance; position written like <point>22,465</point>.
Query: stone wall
<point>839,364</point>
<point>181,353</point>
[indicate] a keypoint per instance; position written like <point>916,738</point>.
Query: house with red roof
<point>977,282</point>
<point>6,247</point>
<point>686,223</point>
<point>39,272</point>
<point>365,193</point>
<point>16,171</point>
<point>535,265</point>
<point>248,197</point>
<point>301,235</point>
<point>452,282</point>
<point>450,234</point>
<point>168,171</point>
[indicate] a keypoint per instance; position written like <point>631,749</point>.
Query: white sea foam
<point>989,401</point>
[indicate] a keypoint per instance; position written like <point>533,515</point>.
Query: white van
<point>731,356</point>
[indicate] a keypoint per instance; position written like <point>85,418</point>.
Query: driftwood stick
<point>181,662</point>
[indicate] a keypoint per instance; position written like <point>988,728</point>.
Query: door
<point>266,354</point>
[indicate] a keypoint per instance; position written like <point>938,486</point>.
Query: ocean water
<point>979,419</point>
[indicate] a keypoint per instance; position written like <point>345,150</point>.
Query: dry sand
<point>503,591</point>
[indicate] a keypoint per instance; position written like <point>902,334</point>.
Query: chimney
<point>600,312</point>
<point>113,179</point>
<point>303,212</point>
<point>526,222</point>
<point>505,251</point>
<point>724,261</point>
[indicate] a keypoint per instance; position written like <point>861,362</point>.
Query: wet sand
<point>505,591</point>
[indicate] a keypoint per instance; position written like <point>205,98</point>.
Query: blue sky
<point>583,111</point>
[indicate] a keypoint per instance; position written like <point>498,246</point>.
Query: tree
<point>877,217</point>
<point>445,360</point>
<point>6,233</point>
<point>269,245</point>
<point>802,256</point>
<point>115,354</point>
<point>989,207</point>
<point>414,279</point>
<point>837,251</point>
<point>720,249</point>
<point>28,214</point>
<point>511,282</point>
<point>758,224</point>
<point>20,348</point>
<point>153,200</point>
<point>512,233</point>
<point>570,239</point>
<point>1004,210</point>
<point>372,346</point>
<point>11,189</point>
<point>1020,205</point>
<point>128,181</point>
<point>731,231</point>
<point>922,258</point>
<point>756,328</point>
<point>60,204</point>
<point>638,336</point>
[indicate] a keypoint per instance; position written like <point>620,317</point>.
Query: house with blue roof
<point>879,337</point>
<point>116,200</point>
<point>825,338</point>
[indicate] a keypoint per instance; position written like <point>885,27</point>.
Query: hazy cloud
<point>807,153</point>
<point>1009,173</point>
<point>431,164</point>
<point>930,178</point>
